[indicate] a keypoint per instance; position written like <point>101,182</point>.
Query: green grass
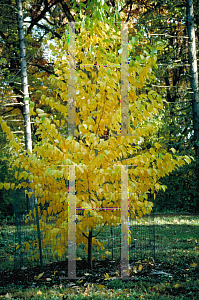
<point>142,246</point>
<point>177,253</point>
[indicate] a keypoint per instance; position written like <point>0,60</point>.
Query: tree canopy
<point>97,149</point>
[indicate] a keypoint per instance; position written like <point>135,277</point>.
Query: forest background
<point>165,23</point>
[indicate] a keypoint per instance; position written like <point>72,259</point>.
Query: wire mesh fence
<point>29,242</point>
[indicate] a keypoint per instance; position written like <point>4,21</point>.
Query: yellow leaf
<point>187,159</point>
<point>12,186</point>
<point>1,185</point>
<point>49,210</point>
<point>37,256</point>
<point>48,279</point>
<point>25,175</point>
<point>45,213</point>
<point>152,151</point>
<point>27,247</point>
<point>39,293</point>
<point>106,276</point>
<point>8,296</point>
<point>39,276</point>
<point>157,145</point>
<point>157,186</point>
<point>100,286</point>
<point>140,268</point>
<point>173,150</point>
<point>135,269</point>
<point>7,185</point>
<point>193,265</point>
<point>177,285</point>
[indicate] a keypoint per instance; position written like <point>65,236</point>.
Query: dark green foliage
<point>7,175</point>
<point>182,192</point>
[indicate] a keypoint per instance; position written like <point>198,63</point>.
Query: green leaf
<point>109,72</point>
<point>160,45</point>
<point>25,175</point>
<point>106,151</point>
<point>101,49</point>
<point>68,162</point>
<point>102,156</point>
<point>43,118</point>
<point>133,40</point>
<point>32,104</point>
<point>107,40</point>
<point>82,4</point>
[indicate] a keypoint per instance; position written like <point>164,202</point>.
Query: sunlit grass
<point>173,233</point>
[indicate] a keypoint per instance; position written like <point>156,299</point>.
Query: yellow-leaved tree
<point>98,148</point>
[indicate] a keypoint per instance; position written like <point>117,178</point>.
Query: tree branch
<point>6,112</point>
<point>67,11</point>
<point>43,68</point>
<point>42,14</point>
<point>84,235</point>
<point>13,104</point>
<point>49,30</point>
<point>100,230</point>
<point>49,22</point>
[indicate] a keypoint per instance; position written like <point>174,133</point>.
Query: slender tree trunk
<point>24,81</point>
<point>90,249</point>
<point>193,72</point>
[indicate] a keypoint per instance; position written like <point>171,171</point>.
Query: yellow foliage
<point>98,150</point>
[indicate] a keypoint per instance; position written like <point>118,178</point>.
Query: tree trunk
<point>24,81</point>
<point>90,249</point>
<point>193,72</point>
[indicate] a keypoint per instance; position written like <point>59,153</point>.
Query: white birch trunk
<point>193,71</point>
<point>24,81</point>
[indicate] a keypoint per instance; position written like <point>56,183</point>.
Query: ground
<point>174,274</point>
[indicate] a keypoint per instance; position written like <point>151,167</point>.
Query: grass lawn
<point>174,274</point>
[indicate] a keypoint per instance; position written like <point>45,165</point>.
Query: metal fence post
<point>39,235</point>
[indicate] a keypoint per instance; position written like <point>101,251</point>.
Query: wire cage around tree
<point>34,245</point>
